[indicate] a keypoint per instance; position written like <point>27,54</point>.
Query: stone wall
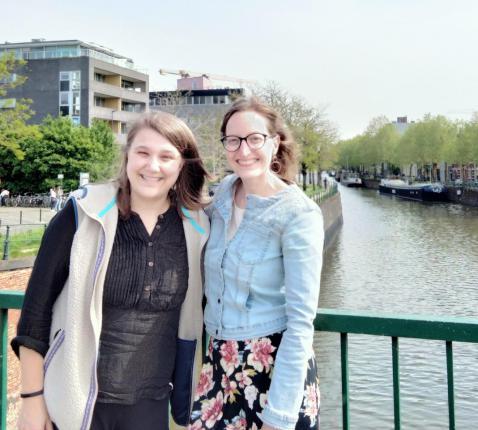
<point>332,213</point>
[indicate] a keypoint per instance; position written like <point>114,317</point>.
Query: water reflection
<point>400,257</point>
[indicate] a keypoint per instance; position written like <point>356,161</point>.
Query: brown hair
<point>286,156</point>
<point>188,189</point>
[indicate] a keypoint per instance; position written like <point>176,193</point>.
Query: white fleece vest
<point>70,363</point>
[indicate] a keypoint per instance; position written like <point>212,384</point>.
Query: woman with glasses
<point>262,277</point>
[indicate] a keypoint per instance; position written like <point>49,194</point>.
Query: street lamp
<point>112,117</point>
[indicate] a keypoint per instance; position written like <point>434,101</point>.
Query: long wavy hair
<point>188,190</point>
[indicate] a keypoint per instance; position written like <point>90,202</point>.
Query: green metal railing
<point>324,194</point>
<point>20,240</point>
<point>448,330</point>
<point>8,300</point>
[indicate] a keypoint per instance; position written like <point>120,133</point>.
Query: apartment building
<point>80,80</point>
<point>194,99</point>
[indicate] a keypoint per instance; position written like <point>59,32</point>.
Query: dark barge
<point>423,192</point>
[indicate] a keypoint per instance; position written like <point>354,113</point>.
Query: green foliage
<point>310,128</point>
<point>13,128</point>
<point>465,149</point>
<point>61,147</point>
<point>431,140</point>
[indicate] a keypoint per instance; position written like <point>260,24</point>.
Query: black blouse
<point>145,285</point>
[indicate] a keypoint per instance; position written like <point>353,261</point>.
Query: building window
<point>8,103</point>
<point>199,100</point>
<point>133,107</point>
<point>70,96</point>
<point>100,101</point>
<point>219,100</point>
<point>75,81</point>
<point>124,128</point>
<point>100,77</point>
<point>129,85</point>
<point>8,79</point>
<point>64,99</point>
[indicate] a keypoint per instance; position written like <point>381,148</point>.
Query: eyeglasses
<point>253,140</point>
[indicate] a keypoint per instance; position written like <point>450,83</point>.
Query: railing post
<point>40,214</point>
<point>3,364</point>
<point>396,382</point>
<point>6,244</point>
<point>345,381</point>
<point>451,388</point>
<point>21,216</point>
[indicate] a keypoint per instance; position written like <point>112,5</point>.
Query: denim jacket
<point>266,279</point>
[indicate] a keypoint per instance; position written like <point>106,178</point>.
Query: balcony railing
<point>448,330</point>
<point>72,53</point>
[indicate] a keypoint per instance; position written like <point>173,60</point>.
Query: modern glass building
<point>80,80</point>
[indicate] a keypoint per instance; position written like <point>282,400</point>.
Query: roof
<point>38,43</point>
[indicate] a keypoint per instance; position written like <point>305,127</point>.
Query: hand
<point>267,427</point>
<point>34,415</point>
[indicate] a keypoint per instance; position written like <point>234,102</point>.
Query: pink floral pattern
<point>234,382</point>
<point>230,389</point>
<point>311,402</point>
<point>229,356</point>
<point>211,410</point>
<point>205,383</point>
<point>261,357</point>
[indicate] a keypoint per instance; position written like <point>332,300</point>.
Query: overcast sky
<point>358,59</point>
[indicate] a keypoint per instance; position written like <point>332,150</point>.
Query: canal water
<point>400,257</point>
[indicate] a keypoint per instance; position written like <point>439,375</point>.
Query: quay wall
<point>463,196</point>
<point>333,220</point>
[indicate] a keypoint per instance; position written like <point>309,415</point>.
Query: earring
<point>275,164</point>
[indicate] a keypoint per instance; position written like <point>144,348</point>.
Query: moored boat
<point>350,179</point>
<point>420,191</point>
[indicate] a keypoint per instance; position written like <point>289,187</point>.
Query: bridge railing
<point>448,330</point>
<point>342,322</point>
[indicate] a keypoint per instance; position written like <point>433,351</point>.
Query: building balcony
<point>110,114</point>
<point>107,90</point>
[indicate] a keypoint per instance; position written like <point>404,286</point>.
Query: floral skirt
<point>234,382</point>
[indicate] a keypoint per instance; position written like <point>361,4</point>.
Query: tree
<point>62,148</point>
<point>13,113</point>
<point>309,126</point>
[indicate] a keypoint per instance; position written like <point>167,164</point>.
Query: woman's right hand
<point>34,415</point>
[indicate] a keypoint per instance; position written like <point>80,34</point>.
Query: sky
<point>353,59</point>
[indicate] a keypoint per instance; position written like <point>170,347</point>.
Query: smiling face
<point>153,166</point>
<point>246,163</point>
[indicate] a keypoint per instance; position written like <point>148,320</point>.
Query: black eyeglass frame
<point>223,141</point>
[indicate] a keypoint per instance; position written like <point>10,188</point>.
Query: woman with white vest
<point>112,320</point>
